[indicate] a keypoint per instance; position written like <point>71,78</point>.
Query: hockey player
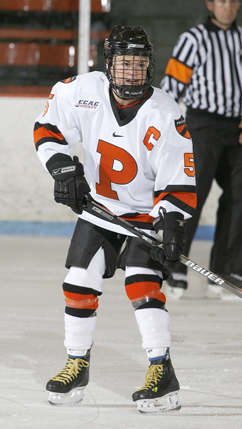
<point>138,164</point>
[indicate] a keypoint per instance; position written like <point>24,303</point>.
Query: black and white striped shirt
<point>207,63</point>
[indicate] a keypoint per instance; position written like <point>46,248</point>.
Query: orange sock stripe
<point>78,296</point>
<point>77,300</point>
<point>141,290</point>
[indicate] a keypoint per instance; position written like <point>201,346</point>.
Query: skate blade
<point>213,292</point>
<point>228,296</point>
<point>70,398</point>
<point>155,406</point>
<point>174,293</point>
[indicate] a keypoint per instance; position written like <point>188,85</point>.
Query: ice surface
<point>206,348</point>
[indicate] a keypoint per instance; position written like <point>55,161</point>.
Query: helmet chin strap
<point>126,92</point>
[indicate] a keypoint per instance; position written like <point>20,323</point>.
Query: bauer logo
<point>209,274</point>
<point>87,104</point>
<point>103,213</point>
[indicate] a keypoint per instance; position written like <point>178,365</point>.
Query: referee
<point>205,71</point>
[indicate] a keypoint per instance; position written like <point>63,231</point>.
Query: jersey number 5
<point>189,164</point>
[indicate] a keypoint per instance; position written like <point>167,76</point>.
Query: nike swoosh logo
<point>116,135</point>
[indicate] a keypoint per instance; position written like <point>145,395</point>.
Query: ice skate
<point>176,285</point>
<point>160,391</point>
<point>213,291</point>
<point>67,387</point>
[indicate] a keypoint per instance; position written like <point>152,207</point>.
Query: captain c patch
<point>181,127</point>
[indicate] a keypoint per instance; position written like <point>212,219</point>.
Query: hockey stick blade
<point>97,210</point>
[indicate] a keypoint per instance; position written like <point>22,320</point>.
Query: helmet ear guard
<point>129,41</point>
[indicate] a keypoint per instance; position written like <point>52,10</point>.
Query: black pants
<point>218,155</point>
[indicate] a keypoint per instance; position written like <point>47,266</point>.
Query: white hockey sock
<point>79,334</point>
<point>76,353</point>
<point>157,353</point>
<point>154,327</point>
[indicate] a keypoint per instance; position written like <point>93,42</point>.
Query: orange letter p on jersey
<point>107,175</point>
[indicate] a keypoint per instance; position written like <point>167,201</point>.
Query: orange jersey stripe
<point>42,133</point>
<point>188,198</point>
<point>179,71</point>
<point>140,218</point>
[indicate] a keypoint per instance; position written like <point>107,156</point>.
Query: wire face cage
<point>130,61</point>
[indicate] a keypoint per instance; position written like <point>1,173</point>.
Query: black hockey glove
<point>170,229</point>
<point>70,183</point>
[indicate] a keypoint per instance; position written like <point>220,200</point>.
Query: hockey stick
<point>98,211</point>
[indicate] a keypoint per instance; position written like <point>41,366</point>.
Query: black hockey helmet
<point>133,41</point>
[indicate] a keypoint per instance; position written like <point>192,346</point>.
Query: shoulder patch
<point>181,127</point>
<point>69,79</point>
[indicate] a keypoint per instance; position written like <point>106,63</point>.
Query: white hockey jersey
<point>133,165</point>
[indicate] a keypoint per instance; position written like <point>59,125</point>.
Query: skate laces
<point>71,370</point>
<point>153,376</point>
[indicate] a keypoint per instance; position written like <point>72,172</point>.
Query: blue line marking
<point>204,232</point>
<point>65,229</point>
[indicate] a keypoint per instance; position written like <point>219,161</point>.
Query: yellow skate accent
<point>152,377</point>
<point>71,370</point>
